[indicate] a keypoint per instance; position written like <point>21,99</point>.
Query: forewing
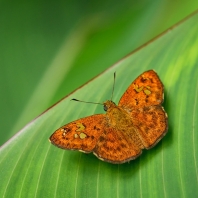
<point>116,147</point>
<point>146,90</point>
<point>80,135</point>
<point>151,124</point>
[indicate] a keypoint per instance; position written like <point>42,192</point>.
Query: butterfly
<point>138,122</point>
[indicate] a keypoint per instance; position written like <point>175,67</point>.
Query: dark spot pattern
<point>101,139</point>
<point>143,79</point>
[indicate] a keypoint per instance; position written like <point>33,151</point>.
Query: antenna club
<point>86,101</point>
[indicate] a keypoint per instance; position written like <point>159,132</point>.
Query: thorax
<point>117,116</point>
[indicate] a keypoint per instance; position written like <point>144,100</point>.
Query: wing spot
<point>80,126</point>
<point>118,149</point>
<point>96,128</point>
<point>136,101</point>
<point>123,145</point>
<point>64,131</point>
<point>147,92</point>
<point>145,89</point>
<point>137,89</point>
<point>101,139</point>
<point>143,79</point>
<point>82,136</point>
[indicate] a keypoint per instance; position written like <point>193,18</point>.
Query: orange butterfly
<point>137,122</point>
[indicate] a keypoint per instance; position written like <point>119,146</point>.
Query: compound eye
<point>105,108</point>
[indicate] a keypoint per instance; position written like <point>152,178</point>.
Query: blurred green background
<point>48,48</point>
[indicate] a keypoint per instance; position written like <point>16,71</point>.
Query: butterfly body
<point>116,116</point>
<point>137,122</point>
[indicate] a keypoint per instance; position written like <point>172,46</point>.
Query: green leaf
<point>51,48</point>
<point>32,167</point>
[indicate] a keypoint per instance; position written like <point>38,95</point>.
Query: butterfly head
<point>108,104</point>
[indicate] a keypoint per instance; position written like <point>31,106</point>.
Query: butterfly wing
<point>93,133</point>
<point>142,100</point>
<point>117,147</point>
<point>80,135</point>
<point>151,124</point>
<point>146,90</point>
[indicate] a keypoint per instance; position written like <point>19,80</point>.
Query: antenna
<point>98,102</point>
<point>113,85</point>
<point>86,101</point>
